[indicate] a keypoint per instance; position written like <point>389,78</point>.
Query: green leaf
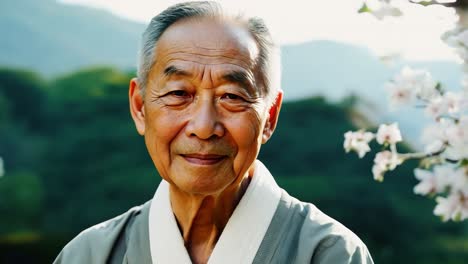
<point>424,3</point>
<point>439,88</point>
<point>464,163</point>
<point>364,9</point>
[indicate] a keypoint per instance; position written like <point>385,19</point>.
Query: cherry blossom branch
<point>445,157</point>
<point>445,174</point>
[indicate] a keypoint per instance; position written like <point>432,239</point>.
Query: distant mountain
<point>336,70</point>
<point>54,38</point>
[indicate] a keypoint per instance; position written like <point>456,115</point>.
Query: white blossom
<point>433,182</point>
<point>388,134</point>
<point>386,9</point>
<point>452,102</point>
<point>436,107</point>
<point>457,133</point>
<point>378,172</point>
<point>421,81</point>
<point>456,152</point>
<point>461,52</point>
<point>410,84</point>
<point>454,207</point>
<point>434,136</point>
<point>426,89</point>
<point>399,93</point>
<point>459,41</point>
<point>387,160</point>
<point>444,1</point>
<point>457,138</point>
<point>358,141</point>
<point>459,181</point>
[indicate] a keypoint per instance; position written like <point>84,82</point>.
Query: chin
<point>200,186</point>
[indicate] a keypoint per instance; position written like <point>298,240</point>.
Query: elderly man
<point>206,98</point>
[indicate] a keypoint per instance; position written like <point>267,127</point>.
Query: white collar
<point>241,236</point>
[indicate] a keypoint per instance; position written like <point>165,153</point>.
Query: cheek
<point>247,134</point>
<point>163,126</point>
<point>161,129</point>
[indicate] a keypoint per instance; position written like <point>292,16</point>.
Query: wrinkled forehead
<point>208,41</point>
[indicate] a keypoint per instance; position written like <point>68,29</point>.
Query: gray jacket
<point>298,233</point>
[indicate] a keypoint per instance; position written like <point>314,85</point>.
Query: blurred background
<point>72,157</point>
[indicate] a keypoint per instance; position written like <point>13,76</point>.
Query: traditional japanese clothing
<point>267,226</point>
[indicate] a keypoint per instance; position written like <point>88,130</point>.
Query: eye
<point>178,93</point>
<point>230,96</point>
<point>176,98</point>
<point>234,102</point>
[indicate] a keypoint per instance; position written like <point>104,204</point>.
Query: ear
<point>137,106</point>
<point>272,120</point>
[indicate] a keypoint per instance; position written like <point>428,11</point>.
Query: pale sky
<point>414,36</point>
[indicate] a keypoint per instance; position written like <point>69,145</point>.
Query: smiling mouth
<point>203,159</point>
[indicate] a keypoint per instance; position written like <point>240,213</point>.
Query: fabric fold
<point>242,235</point>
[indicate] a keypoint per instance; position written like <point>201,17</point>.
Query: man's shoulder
<point>319,224</point>
<point>96,243</point>
<point>326,239</point>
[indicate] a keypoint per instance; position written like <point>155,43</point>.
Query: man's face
<point>203,117</point>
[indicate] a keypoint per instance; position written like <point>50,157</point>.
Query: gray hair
<point>268,62</point>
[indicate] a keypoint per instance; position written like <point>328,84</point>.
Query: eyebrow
<point>241,78</point>
<point>174,71</point>
<point>238,77</point>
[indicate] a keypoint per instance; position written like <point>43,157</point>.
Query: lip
<point>203,159</point>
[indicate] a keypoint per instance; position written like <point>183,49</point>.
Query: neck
<point>202,218</point>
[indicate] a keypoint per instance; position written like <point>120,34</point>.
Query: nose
<point>204,122</point>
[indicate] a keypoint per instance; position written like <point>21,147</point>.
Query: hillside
<point>73,159</point>
<point>53,38</point>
